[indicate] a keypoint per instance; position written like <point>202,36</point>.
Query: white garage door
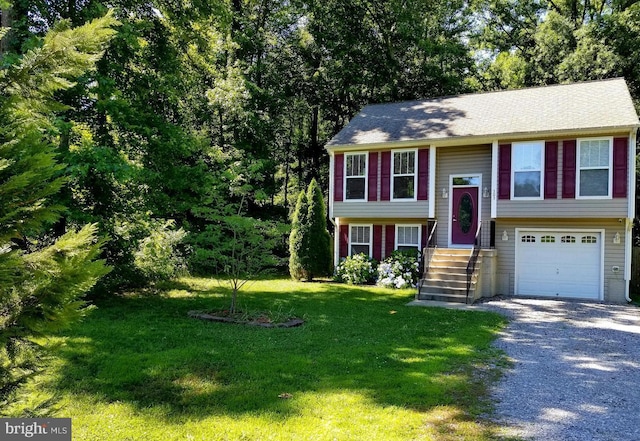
<point>559,264</point>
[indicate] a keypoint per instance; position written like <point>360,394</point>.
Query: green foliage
<point>245,251</point>
<point>309,241</point>
<point>298,247</point>
<point>159,256</point>
<point>42,277</point>
<point>318,259</point>
<point>538,43</point>
<point>359,269</point>
<point>399,270</point>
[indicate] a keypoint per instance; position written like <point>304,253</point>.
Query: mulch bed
<point>262,321</point>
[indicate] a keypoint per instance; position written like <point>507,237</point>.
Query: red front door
<point>464,215</point>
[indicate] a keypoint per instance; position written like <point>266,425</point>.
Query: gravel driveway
<point>576,371</point>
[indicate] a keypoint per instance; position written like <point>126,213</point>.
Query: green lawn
<point>363,367</point>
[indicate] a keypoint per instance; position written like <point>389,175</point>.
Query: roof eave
<point>461,140</point>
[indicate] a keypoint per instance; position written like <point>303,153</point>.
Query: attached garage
<point>565,263</point>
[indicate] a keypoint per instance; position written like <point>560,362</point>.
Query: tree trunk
<point>5,22</point>
<point>315,147</point>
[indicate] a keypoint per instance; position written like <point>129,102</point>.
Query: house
<point>524,192</point>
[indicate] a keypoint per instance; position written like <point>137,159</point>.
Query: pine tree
<point>317,261</point>
<point>42,278</point>
<point>298,248</point>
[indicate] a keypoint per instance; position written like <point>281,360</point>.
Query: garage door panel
<point>559,264</point>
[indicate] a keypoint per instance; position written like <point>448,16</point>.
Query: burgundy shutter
<point>423,174</point>
<point>385,176</point>
<point>504,171</point>
<point>390,240</point>
<point>423,241</point>
<point>569,169</point>
<point>373,176</point>
<point>338,176</point>
<point>377,242</point>
<point>551,170</point>
<point>344,241</point>
<point>620,167</point>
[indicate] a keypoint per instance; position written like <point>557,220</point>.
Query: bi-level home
<point>524,192</point>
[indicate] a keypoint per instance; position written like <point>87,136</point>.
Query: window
<point>527,160</point>
<point>355,181</point>
<point>568,239</point>
<point>408,237</point>
<point>404,174</point>
<point>589,239</point>
<point>360,239</point>
<point>528,239</point>
<point>594,168</point>
<point>548,239</point>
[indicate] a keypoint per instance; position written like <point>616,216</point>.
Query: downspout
<point>335,222</point>
<point>628,244</point>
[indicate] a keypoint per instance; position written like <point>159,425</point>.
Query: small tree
<point>246,252</point>
<point>309,242</point>
<point>298,238</point>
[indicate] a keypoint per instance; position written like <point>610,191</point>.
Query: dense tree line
<point>197,108</point>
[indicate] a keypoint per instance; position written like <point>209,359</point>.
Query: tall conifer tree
<point>42,279</point>
<point>297,238</point>
<point>318,258</point>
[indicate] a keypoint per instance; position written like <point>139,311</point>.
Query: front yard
<point>363,367</point>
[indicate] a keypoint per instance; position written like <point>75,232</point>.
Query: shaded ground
<point>576,372</point>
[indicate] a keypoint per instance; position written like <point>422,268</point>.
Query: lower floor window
<point>408,237</point>
<point>360,239</point>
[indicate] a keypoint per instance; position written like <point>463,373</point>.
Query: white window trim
<point>415,174</point>
<point>366,177</point>
<point>579,169</point>
<point>419,226</point>
<point>370,226</point>
<point>513,172</point>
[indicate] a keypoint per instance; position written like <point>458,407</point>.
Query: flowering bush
<point>357,270</point>
<point>400,270</point>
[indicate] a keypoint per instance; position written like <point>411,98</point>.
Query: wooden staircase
<point>446,280</point>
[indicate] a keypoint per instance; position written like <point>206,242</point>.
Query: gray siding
<point>564,208</point>
<point>613,253</point>
<point>377,210</point>
<point>461,161</point>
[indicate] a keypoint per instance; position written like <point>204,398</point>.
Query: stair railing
<point>473,259</point>
<point>426,255</point>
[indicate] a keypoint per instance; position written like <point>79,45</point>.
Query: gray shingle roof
<point>602,104</point>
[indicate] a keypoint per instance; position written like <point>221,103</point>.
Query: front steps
<point>446,280</point>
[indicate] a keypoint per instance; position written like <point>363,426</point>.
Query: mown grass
<point>363,367</point>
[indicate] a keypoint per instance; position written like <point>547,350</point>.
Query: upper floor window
<point>404,174</point>
<point>594,177</point>
<point>360,239</point>
<point>355,181</point>
<point>527,159</point>
<point>408,237</point>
